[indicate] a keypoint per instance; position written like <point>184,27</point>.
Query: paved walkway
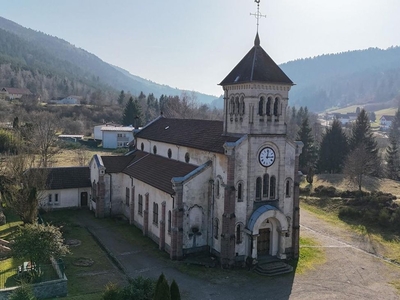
<point>348,273</point>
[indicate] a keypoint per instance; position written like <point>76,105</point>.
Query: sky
<point>194,44</point>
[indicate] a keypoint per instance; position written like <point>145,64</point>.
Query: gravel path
<point>350,271</point>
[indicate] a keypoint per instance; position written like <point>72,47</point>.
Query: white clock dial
<point>266,157</point>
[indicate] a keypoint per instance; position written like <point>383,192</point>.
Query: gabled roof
<point>154,170</point>
<point>64,178</point>
<point>199,134</point>
<point>17,91</point>
<point>387,117</point>
<point>256,66</point>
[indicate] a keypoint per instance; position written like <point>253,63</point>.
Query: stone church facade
<point>226,187</point>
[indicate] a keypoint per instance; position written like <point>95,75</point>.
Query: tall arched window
<point>287,188</point>
<point>269,103</point>
<point>216,228</point>
<point>169,221</point>
<point>261,106</point>
<point>155,213</point>
<point>276,106</point>
<point>258,188</point>
<point>236,105</point>
<point>231,106</point>
<point>265,185</point>
<point>241,110</point>
<point>272,187</point>
<point>238,233</point>
<point>239,192</point>
<point>217,188</point>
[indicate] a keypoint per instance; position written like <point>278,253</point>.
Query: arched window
<point>169,221</point>
<point>261,106</point>
<point>187,157</point>
<point>265,185</point>
<point>269,103</point>
<point>217,188</point>
<point>155,213</point>
<point>239,192</point>
<point>287,188</point>
<point>236,105</point>
<point>216,227</point>
<point>169,153</point>
<point>231,106</point>
<point>238,233</point>
<point>258,188</point>
<point>142,146</point>
<point>241,110</point>
<point>276,105</point>
<point>272,187</point>
<point>155,149</point>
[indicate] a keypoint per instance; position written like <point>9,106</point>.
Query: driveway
<point>349,272</point>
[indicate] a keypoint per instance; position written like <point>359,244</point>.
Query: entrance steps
<point>271,266</point>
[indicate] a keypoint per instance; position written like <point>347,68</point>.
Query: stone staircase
<point>271,266</point>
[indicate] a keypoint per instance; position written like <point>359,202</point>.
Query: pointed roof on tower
<point>256,66</point>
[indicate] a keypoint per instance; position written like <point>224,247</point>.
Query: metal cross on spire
<point>258,15</point>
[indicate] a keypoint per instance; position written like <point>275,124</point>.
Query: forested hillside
<point>28,53</point>
<point>337,80</point>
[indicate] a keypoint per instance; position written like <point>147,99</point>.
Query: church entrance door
<point>263,241</point>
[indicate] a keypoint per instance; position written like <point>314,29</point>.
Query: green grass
<point>310,255</point>
<point>84,282</point>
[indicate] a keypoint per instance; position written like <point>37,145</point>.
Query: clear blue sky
<point>194,44</point>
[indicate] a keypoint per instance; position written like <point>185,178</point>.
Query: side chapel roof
<point>199,134</point>
<point>154,170</point>
<point>256,66</point>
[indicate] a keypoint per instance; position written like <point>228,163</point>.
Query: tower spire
<point>258,15</point>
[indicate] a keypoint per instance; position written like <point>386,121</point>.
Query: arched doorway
<point>267,227</point>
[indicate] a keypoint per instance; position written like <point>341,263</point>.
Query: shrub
<point>349,212</point>
<point>22,293</point>
<point>384,217</point>
<point>326,191</point>
<point>112,292</point>
<point>139,289</point>
<point>174,289</point>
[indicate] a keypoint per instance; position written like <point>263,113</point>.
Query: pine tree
<point>174,289</point>
<point>132,113</point>
<point>362,136</point>
<point>309,155</point>
<point>162,291</point>
<point>392,151</point>
<point>333,149</point>
<point>121,97</point>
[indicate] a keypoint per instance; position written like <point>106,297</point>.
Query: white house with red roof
<point>14,93</point>
<point>228,187</point>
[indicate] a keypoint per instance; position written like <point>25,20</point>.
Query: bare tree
<point>359,163</point>
<point>82,156</point>
<point>21,186</point>
<point>44,137</point>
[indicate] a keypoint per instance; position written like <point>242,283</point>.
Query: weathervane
<point>258,15</point>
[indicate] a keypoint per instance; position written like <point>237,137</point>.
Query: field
<point>76,157</point>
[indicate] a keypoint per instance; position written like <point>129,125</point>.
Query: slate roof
<point>64,178</point>
<point>199,134</point>
<point>21,91</point>
<point>154,170</point>
<point>256,66</point>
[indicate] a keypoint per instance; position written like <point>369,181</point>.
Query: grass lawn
<point>69,157</point>
<point>84,282</point>
<point>310,255</point>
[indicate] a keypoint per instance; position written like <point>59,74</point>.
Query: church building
<point>227,187</point>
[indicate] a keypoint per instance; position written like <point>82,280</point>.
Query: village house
<point>385,122</point>
<point>14,93</point>
<point>226,187</point>
<point>114,137</point>
<point>70,100</point>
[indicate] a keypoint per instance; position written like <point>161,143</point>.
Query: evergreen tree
<point>121,97</point>
<point>132,113</point>
<point>392,151</point>
<point>162,291</point>
<point>174,289</point>
<point>333,149</point>
<point>308,157</point>
<point>362,136</point>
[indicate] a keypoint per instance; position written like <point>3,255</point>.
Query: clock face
<point>266,157</point>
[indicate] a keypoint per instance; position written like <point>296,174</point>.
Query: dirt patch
<point>73,242</point>
<point>83,262</point>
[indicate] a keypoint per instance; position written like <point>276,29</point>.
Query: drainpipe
<point>212,214</point>
<point>110,194</point>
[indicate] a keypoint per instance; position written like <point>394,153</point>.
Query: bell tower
<point>256,95</point>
